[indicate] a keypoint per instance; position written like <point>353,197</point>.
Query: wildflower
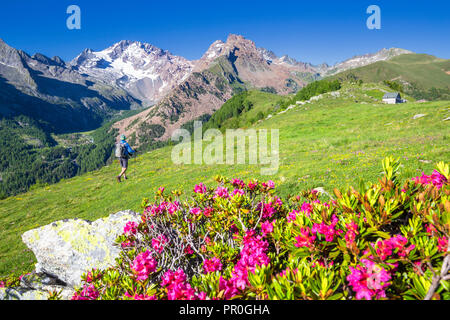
<point>177,287</point>
<point>443,244</point>
<point>207,212</point>
<point>436,179</point>
<point>252,185</point>
<point>267,209</point>
<point>188,250</point>
<point>292,216</point>
<point>352,231</point>
<point>196,211</point>
<point>128,244</point>
<point>221,192</point>
<point>386,248</point>
<point>173,207</point>
<point>143,265</point>
<point>306,239</point>
<point>369,280</point>
<point>89,292</point>
<point>228,287</point>
<point>212,265</point>
<point>327,230</point>
<point>267,228</point>
<point>237,183</point>
<point>159,242</point>
<point>130,228</point>
<point>238,191</point>
<point>200,188</point>
<point>268,185</point>
<point>253,254</point>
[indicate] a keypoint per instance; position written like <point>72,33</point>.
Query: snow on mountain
<point>145,71</point>
<point>150,73</point>
<point>363,60</point>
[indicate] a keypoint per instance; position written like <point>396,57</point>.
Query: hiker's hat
<point>122,137</point>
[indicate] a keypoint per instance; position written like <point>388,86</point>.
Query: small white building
<point>392,98</point>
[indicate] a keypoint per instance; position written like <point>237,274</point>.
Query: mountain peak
<point>235,38</point>
<point>145,71</point>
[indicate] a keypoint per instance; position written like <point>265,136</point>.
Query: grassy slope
<point>330,143</point>
<point>424,70</point>
<point>262,102</point>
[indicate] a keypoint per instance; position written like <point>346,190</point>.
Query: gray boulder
<point>35,286</point>
<point>67,249</point>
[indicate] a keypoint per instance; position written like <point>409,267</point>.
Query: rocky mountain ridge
<point>224,69</point>
<point>80,94</point>
<point>143,70</point>
<point>52,92</point>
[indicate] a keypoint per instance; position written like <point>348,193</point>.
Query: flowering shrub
<point>385,240</point>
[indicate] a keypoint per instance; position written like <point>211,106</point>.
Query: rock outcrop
<point>35,286</point>
<point>66,249</point>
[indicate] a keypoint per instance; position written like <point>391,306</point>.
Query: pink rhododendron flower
<point>435,179</point>
<point>178,288</point>
<point>267,210</point>
<point>89,292</point>
<point>228,287</point>
<point>143,265</point>
<point>89,277</point>
<point>431,230</point>
<point>207,212</point>
<point>221,192</point>
<point>173,207</point>
<point>267,227</point>
<point>269,184</point>
<point>128,244</point>
<point>386,248</point>
<point>196,211</point>
<point>237,183</point>
<point>252,185</point>
<point>188,250</point>
<point>306,239</point>
<point>200,188</point>
<point>442,244</point>
<point>327,230</point>
<point>369,280</point>
<point>159,242</point>
<point>238,191</point>
<point>141,296</point>
<point>252,254</point>
<point>352,231</point>
<point>130,228</point>
<point>292,216</point>
<point>212,265</point>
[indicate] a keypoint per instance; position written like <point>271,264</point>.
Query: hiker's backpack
<point>121,150</point>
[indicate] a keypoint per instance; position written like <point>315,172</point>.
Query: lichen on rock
<point>67,249</point>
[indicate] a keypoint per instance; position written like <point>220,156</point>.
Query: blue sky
<point>310,31</point>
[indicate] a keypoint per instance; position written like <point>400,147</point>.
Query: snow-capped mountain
<point>51,92</point>
<point>225,66</point>
<point>364,60</point>
<point>149,73</point>
<point>145,71</point>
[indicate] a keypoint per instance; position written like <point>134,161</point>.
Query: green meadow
<point>333,142</point>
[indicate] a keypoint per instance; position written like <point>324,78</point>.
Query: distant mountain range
<point>82,93</point>
<point>54,93</point>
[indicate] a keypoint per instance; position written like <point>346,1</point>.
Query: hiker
<point>123,152</point>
